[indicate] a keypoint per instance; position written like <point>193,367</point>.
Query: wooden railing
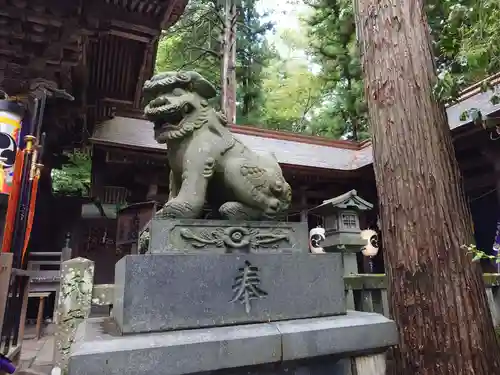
<point>114,195</point>
<point>14,286</point>
<point>368,292</point>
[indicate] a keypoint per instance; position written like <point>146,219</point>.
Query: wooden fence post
<point>5,271</point>
<point>73,306</point>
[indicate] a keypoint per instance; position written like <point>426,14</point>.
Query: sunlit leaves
<point>333,43</point>
<point>292,93</point>
<point>478,255</point>
<point>467,49</point>
<point>194,44</point>
<point>74,176</point>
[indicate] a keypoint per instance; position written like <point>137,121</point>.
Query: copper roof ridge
<point>296,137</point>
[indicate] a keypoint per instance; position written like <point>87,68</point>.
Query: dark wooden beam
<point>153,32</point>
<point>168,13</point>
<point>323,173</point>
<point>29,15</point>
<point>124,152</point>
<point>480,183</point>
<point>98,11</point>
<point>130,36</point>
<point>469,138</point>
<point>113,101</point>
<point>144,71</point>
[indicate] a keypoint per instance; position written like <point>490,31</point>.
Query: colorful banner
<point>11,115</point>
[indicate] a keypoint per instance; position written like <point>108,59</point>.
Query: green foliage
<point>466,45</point>
<point>316,85</point>
<point>477,254</point>
<point>253,54</point>
<point>194,44</point>
<point>466,48</point>
<point>291,91</point>
<point>333,44</point>
<point>74,176</point>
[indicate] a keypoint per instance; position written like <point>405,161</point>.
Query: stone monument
<point>242,294</point>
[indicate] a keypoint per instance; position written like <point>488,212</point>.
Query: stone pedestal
<point>223,236</point>
<point>315,345</point>
<point>186,307</point>
<point>161,292</point>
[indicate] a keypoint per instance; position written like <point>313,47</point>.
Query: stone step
<point>45,254</point>
<point>241,349</point>
<point>45,262</point>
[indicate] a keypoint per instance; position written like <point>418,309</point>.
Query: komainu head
<point>176,103</point>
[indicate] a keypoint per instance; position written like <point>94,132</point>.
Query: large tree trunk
<point>437,295</point>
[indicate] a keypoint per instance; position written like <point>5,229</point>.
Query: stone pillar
<point>152,191</point>
<point>303,205</point>
<point>66,250</point>
<point>73,305</point>
<point>350,262</point>
<point>370,365</point>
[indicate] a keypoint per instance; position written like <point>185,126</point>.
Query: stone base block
<point>161,292</point>
<point>224,236</point>
<point>316,344</point>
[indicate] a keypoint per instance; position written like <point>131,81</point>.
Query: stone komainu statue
<point>207,162</point>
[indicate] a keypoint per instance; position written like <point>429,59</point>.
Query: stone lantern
<point>341,223</point>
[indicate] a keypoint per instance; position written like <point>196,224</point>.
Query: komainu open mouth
<point>165,115</point>
<point>169,121</point>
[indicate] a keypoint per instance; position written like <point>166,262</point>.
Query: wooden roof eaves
<point>121,146</point>
<point>347,173</point>
<point>175,7</point>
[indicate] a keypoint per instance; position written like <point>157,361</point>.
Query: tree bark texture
<point>228,67</point>
<point>437,295</point>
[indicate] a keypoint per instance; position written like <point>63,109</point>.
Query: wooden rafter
<point>168,13</point>
<point>27,15</point>
<point>98,12</point>
<point>54,50</point>
<point>146,65</point>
